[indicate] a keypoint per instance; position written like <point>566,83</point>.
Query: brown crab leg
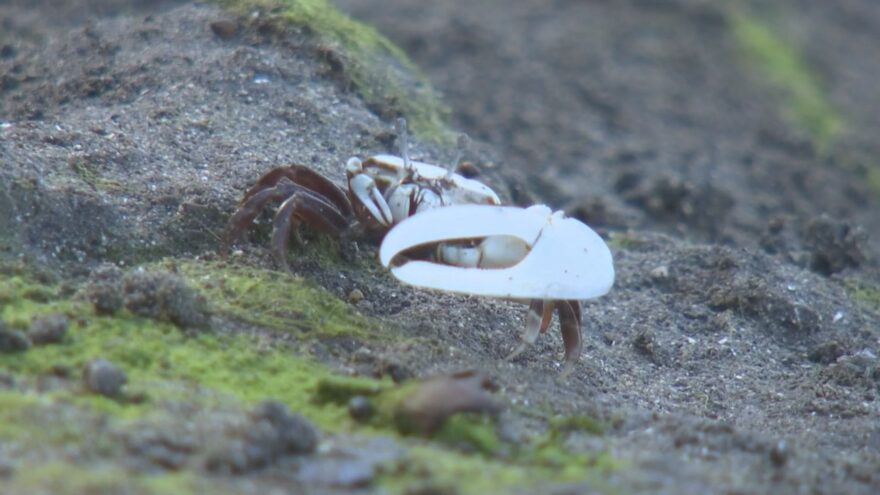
<point>537,321</point>
<point>249,209</point>
<point>570,326</point>
<point>306,207</point>
<point>305,178</point>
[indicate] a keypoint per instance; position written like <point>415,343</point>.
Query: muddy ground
<point>737,352</point>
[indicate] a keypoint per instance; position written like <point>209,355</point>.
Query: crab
<point>444,231</point>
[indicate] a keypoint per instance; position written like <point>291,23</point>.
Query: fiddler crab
<point>446,232</point>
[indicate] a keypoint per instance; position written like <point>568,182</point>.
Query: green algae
<point>379,71</point>
<point>68,479</point>
<point>864,293</point>
<point>470,432</point>
<point>805,102</point>
<point>90,173</point>
<point>277,300</point>
<point>161,362</point>
<point>439,469</point>
<point>624,240</point>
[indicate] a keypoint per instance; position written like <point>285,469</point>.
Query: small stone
<point>6,469</point>
<point>779,454</point>
<point>295,433</point>
<point>104,378</point>
<point>355,296</point>
<point>104,289</point>
<point>424,409</point>
<point>49,329</point>
<point>826,352</point>
<point>338,473</point>
<point>7,380</point>
<point>11,340</point>
<point>660,273</point>
<point>165,296</point>
<point>398,372</point>
<point>224,28</point>
<point>7,51</point>
<point>360,408</point>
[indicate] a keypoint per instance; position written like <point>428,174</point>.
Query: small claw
<point>364,189</point>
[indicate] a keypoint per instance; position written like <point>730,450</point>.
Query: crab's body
<point>386,190</point>
<point>478,246</point>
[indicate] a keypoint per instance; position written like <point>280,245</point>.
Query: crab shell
<point>566,260</point>
<point>458,190</point>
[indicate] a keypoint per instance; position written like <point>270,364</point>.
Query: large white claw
<point>568,260</point>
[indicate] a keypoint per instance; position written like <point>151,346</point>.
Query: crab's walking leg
<point>305,177</point>
<point>252,206</point>
<point>537,321</point>
<point>306,207</point>
<point>570,326</point>
<point>270,188</point>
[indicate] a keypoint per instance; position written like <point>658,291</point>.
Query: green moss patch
<point>161,362</point>
<point>277,300</point>
<point>864,293</point>
<point>443,471</point>
<point>805,104</point>
<point>61,478</point>
<point>381,73</point>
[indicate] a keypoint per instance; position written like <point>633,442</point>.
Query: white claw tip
<point>354,165</point>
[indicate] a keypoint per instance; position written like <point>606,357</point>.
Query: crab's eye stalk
<point>403,136</point>
<point>354,166</point>
<point>462,143</point>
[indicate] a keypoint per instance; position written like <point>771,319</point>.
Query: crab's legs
<point>305,196</point>
<point>305,177</point>
<point>303,206</point>
<point>538,320</point>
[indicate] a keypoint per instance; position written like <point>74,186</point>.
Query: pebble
<point>779,454</point>
<point>355,296</point>
<point>360,408</point>
<point>104,378</point>
<point>11,340</point>
<point>49,329</point>
<point>660,273</point>
<point>224,28</point>
<point>294,433</point>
